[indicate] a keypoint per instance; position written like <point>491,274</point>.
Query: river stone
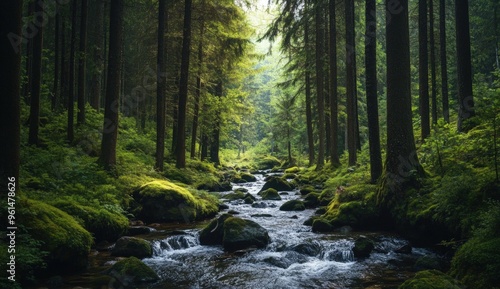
<point>278,184</point>
<point>214,232</point>
<point>270,194</point>
<point>138,230</point>
<point>405,249</point>
<point>241,234</point>
<point>248,177</point>
<point>259,205</point>
<point>363,247</point>
<point>311,200</point>
<point>321,226</point>
<point>131,246</point>
<point>248,200</point>
<point>309,249</point>
<point>293,205</point>
<point>133,270</point>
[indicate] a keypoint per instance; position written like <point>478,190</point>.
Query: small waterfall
<point>339,251</point>
<point>172,243</point>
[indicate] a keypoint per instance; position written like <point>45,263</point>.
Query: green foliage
<point>268,162</point>
<point>103,224</point>
<point>66,241</point>
<point>431,279</point>
<point>134,270</point>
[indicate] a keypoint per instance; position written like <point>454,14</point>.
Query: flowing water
<point>295,258</point>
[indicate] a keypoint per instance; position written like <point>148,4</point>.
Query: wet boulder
<point>241,234</point>
<point>293,205</point>
<point>363,247</point>
<point>132,270</point>
<point>248,177</point>
<point>214,232</point>
<point>259,205</point>
<point>270,194</point>
<point>321,225</point>
<point>132,247</point>
<point>309,249</point>
<point>311,200</point>
<point>279,184</point>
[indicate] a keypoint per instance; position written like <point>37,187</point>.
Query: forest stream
<point>295,258</point>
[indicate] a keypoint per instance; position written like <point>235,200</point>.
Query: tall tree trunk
<point>464,69</point>
<point>432,47</point>
<point>98,56</point>
<point>81,63</point>
<point>10,70</point>
<point>204,146</point>
<point>334,121</point>
<point>29,56</point>
<point>194,129</point>
<point>320,85</point>
<point>309,126</point>
<point>57,56</point>
<point>423,70</point>
<point>401,157</point>
<point>215,140</point>
<point>111,109</point>
<point>64,70</point>
<point>161,87</point>
<point>371,90</point>
<point>183,87</point>
<point>37,79</point>
<point>71,84</point>
<point>327,77</point>
<point>444,63</point>
<point>351,83</point>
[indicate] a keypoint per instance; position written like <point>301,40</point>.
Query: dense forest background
<point>397,101</point>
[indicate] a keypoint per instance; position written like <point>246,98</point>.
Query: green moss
<point>293,205</point>
<point>321,225</point>
<point>268,163</point>
<point>248,177</point>
<point>432,279</point>
<point>292,170</point>
<point>63,237</point>
<point>134,270</point>
<point>311,200</point>
<point>103,224</point>
<point>477,263</point>
<point>270,194</point>
<point>131,246</point>
<point>237,195</point>
<point>162,200</point>
<point>356,214</point>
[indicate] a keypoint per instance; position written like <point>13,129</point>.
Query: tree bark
<point>334,121</point>
<point>444,62</point>
<point>215,140</point>
<point>29,56</point>
<point>432,48</point>
<point>371,90</point>
<point>423,70</point>
<point>351,83</point>
<point>36,78</point>
<point>464,69</point>
<point>161,87</point>
<point>194,129</point>
<point>71,84</point>
<point>111,107</point>
<point>57,56</point>
<point>183,87</point>
<point>10,70</point>
<point>401,157</point>
<point>320,85</point>
<point>309,126</point>
<point>80,119</point>
<point>98,56</point>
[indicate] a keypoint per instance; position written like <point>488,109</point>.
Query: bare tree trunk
<point>444,64</point>
<point>110,126</point>
<point>433,63</point>
<point>57,56</point>
<point>423,69</point>
<point>334,121</point>
<point>351,83</point>
<point>464,68</point>
<point>37,79</point>
<point>10,102</point>
<point>310,137</point>
<point>80,119</point>
<point>194,129</point>
<point>161,86</point>
<point>320,85</point>
<point>71,84</point>
<point>98,56</point>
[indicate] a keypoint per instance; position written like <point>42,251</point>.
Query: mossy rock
<point>278,184</point>
<point>292,170</point>
<point>311,200</point>
<point>133,270</point>
<point>289,176</point>
<point>163,201</point>
<point>363,247</point>
<point>356,214</point>
<point>67,242</point>
<point>213,233</point>
<point>248,177</point>
<point>268,163</point>
<point>214,186</point>
<point>270,194</point>
<point>293,205</point>
<point>237,195</point>
<point>248,200</point>
<point>306,190</point>
<point>432,279</point>
<point>241,234</point>
<point>477,263</point>
<point>242,190</point>
<point>321,226</point>
<point>310,220</point>
<point>237,179</point>
<point>132,247</point>
<point>104,225</point>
